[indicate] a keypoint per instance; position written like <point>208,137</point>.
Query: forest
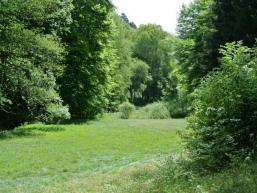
<point>87,95</point>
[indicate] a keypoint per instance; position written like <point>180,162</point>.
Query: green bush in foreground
<point>126,110</point>
<point>224,120</point>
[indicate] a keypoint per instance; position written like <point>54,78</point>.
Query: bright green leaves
<point>31,60</point>
<point>50,16</point>
<point>194,52</point>
<point>139,79</point>
<point>223,124</point>
<point>89,59</point>
<point>154,46</point>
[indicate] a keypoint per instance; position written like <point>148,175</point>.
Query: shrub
<point>31,67</point>
<point>224,120</point>
<point>126,110</point>
<point>156,110</point>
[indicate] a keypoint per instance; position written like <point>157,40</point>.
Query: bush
<point>31,67</point>
<point>126,110</point>
<point>223,125</point>
<point>156,110</point>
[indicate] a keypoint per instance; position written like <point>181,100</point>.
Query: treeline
<point>56,59</point>
<point>63,59</point>
<point>145,63</point>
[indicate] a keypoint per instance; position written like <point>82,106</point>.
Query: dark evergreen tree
<point>133,25</point>
<point>124,17</point>
<point>234,20</point>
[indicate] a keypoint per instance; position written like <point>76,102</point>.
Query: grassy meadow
<point>84,156</point>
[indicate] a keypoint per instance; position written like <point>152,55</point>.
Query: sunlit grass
<point>39,158</point>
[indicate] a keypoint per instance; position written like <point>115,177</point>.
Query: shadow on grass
<point>29,131</point>
<point>78,121</point>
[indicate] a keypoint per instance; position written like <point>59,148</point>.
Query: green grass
<point>80,157</point>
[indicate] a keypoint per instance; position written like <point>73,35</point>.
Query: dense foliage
<point>31,57</point>
<point>224,123</point>
<point>89,58</point>
<point>145,58</point>
<point>195,29</point>
<point>80,54</point>
<point>139,79</point>
<point>234,20</point>
<point>223,109</point>
<point>52,51</point>
<point>122,40</point>
<point>204,26</point>
<point>154,46</point>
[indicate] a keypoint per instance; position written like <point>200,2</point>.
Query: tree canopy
<point>89,60</point>
<point>31,57</point>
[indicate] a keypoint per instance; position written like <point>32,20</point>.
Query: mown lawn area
<point>77,157</point>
